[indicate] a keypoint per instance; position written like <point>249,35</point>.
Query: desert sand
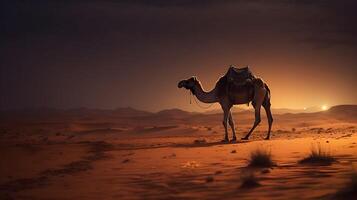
<point>172,154</point>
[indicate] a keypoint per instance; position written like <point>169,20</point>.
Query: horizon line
<point>171,108</point>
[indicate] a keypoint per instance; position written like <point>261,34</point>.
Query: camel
<point>255,91</point>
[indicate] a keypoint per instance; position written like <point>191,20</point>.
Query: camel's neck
<point>203,96</point>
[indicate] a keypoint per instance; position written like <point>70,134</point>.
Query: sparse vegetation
<point>318,156</point>
<point>350,190</point>
<point>249,181</point>
<point>261,158</point>
<point>218,172</point>
<point>173,155</point>
<point>199,141</point>
<point>209,179</point>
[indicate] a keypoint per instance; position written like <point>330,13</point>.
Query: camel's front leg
<point>231,123</point>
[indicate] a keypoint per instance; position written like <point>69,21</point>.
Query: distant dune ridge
<point>174,112</point>
<point>344,110</point>
<point>340,111</point>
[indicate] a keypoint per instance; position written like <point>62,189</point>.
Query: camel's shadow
<point>180,145</point>
<point>209,144</point>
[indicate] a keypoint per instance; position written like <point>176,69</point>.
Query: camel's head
<point>188,83</point>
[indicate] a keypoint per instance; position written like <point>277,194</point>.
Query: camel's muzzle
<point>180,84</point>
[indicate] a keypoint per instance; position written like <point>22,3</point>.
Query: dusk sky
<point>109,54</point>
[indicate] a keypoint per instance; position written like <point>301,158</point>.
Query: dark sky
<point>108,54</point>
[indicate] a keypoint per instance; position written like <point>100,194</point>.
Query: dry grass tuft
<point>350,190</point>
<point>249,181</point>
<point>261,158</point>
<point>209,179</point>
<point>199,141</point>
<point>318,156</point>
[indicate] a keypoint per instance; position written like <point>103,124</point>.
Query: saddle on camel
<point>241,78</point>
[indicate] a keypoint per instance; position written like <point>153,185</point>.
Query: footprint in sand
<point>190,164</point>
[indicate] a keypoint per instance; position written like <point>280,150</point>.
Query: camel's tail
<point>267,88</point>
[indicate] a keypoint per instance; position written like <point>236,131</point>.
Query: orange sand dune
<point>172,155</point>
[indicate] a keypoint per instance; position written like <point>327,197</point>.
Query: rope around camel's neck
<point>197,103</point>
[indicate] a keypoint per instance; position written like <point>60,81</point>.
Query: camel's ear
<point>194,78</point>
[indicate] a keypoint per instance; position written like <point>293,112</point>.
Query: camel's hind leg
<point>266,105</point>
<point>259,96</point>
<point>257,120</point>
<point>231,124</point>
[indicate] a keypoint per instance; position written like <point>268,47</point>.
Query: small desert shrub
<point>249,181</point>
<point>218,172</point>
<point>318,156</point>
<point>199,141</point>
<point>350,190</point>
<point>261,158</point>
<point>209,179</point>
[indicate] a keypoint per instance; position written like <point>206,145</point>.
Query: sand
<point>171,156</point>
